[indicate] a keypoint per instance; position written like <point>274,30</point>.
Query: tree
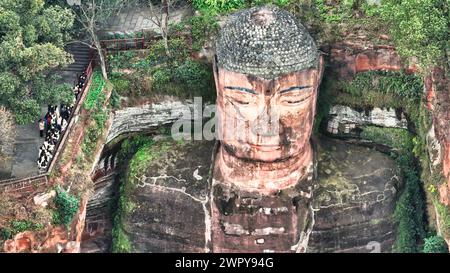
<point>92,14</point>
<point>159,15</point>
<point>7,129</point>
<point>32,35</point>
<point>435,244</point>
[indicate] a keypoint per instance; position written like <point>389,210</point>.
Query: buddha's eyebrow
<point>294,88</point>
<point>241,89</point>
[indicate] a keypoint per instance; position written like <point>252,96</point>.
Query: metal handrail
<point>63,139</point>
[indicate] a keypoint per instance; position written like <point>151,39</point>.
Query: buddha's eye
<point>238,101</point>
<point>240,98</point>
<point>295,100</point>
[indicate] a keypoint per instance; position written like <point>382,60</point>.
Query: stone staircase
<point>81,56</point>
<point>101,205</point>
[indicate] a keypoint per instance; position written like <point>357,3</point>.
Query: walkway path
<point>138,18</point>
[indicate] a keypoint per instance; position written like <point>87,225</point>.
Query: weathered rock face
<point>344,120</point>
<point>352,56</point>
<point>171,212</point>
<point>354,199</point>
<point>437,88</point>
<point>148,117</point>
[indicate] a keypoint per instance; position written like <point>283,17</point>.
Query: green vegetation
<point>177,75</point>
<point>190,78</point>
<point>95,97</point>
<point>396,138</point>
<point>224,6</point>
<point>435,244</point>
<point>410,210</point>
<point>218,6</point>
<point>32,36</point>
<point>95,104</point>
<point>66,207</point>
<point>384,89</point>
<point>120,83</point>
<point>17,226</point>
<point>334,13</point>
<point>419,28</point>
<point>114,101</point>
<point>129,147</point>
<point>202,27</point>
<point>135,156</point>
<point>444,217</point>
<point>380,89</point>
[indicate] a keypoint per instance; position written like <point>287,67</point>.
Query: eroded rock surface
<point>171,211</point>
<point>344,119</point>
<point>354,200</point>
<point>148,117</point>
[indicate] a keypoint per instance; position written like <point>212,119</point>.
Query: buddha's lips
<point>265,148</point>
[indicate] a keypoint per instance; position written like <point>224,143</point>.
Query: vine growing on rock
<point>419,28</point>
<point>66,207</point>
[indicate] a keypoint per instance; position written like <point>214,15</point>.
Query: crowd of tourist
<point>54,124</point>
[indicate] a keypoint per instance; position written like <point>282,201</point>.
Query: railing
<point>8,183</point>
<point>123,44</point>
<point>70,122</point>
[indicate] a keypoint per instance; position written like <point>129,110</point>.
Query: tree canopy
<point>32,36</point>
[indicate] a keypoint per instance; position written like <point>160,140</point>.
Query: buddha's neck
<point>263,177</point>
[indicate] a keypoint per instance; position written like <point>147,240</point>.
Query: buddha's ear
<point>321,68</point>
<point>215,70</point>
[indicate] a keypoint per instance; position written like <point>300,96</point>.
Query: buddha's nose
<point>266,124</point>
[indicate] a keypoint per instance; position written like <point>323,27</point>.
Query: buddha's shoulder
<point>182,164</point>
<point>354,198</point>
<point>346,169</point>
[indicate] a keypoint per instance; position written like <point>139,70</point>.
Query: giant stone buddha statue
<point>266,188</point>
<point>267,72</point>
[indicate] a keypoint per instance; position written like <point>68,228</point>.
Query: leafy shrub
<point>130,146</point>
<point>387,82</point>
<point>217,6</point>
<point>177,47</point>
<point>161,77</point>
<point>410,208</point>
<point>121,84</point>
<point>122,59</point>
<point>193,74</point>
<point>280,3</point>
<point>121,243</point>
<point>334,12</point>
<point>189,79</point>
<point>90,140</point>
<point>419,28</point>
<point>435,244</point>
<point>6,233</point>
<point>66,207</point>
<point>444,217</point>
<point>202,27</point>
<point>17,226</point>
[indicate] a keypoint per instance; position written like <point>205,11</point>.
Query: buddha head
<point>267,70</point>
